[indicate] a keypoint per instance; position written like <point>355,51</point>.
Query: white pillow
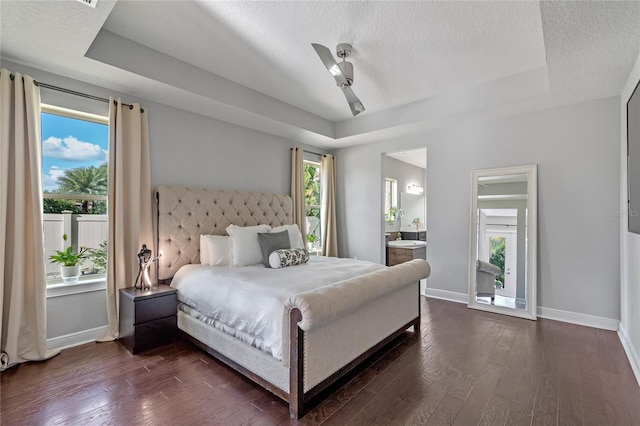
<point>295,236</point>
<point>243,241</point>
<point>204,250</point>
<point>217,249</point>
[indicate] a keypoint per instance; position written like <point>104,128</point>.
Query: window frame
<point>86,283</point>
<point>390,196</point>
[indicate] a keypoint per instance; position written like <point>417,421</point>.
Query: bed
<point>328,328</point>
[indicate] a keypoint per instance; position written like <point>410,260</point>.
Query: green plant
<point>416,222</point>
<point>98,257</point>
<point>391,216</point>
<point>67,257</point>
<point>312,238</point>
<point>497,256</point>
<point>89,180</point>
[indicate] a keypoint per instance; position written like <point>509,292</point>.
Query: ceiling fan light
<point>335,70</point>
<point>347,71</point>
<point>342,73</point>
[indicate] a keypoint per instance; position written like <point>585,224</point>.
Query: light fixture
<point>145,261</point>
<point>415,189</point>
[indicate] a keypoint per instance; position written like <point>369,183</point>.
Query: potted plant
<point>69,262</point>
<point>416,222</point>
<point>311,239</point>
<point>98,257</point>
<point>391,216</point>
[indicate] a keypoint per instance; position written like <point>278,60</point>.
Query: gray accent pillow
<point>270,242</point>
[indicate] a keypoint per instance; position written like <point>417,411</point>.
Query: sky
<point>68,143</point>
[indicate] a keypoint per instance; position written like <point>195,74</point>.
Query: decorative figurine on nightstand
<point>145,261</point>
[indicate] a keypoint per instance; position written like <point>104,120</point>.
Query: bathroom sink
<point>406,243</point>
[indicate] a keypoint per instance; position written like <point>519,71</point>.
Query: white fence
<point>83,230</point>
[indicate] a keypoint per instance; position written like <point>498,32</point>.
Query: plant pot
<point>70,274</point>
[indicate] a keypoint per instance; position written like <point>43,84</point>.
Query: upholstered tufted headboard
<point>185,213</point>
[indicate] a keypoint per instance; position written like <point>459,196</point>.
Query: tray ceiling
<point>418,65</point>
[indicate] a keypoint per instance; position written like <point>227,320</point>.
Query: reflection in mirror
<point>503,230</point>
<point>413,212</point>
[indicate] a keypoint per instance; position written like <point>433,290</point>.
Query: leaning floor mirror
<point>503,249</point>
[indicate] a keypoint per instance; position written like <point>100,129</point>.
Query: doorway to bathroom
<point>404,196</point>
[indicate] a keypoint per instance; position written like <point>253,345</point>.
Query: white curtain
<point>23,335</point>
<point>328,226</point>
<point>297,190</point>
<point>129,203</point>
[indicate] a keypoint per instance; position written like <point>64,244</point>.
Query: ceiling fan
<point>342,72</point>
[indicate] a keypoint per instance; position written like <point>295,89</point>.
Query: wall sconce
<point>145,261</point>
<point>415,189</point>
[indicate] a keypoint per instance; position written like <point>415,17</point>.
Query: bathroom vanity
<point>401,251</point>
<point>414,235</point>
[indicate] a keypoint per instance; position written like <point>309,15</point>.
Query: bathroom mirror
<point>503,249</point>
<point>413,207</point>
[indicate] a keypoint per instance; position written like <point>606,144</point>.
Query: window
<point>74,182</point>
<point>390,199</point>
<point>312,202</point>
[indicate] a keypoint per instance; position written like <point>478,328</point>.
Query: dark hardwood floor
<point>468,368</point>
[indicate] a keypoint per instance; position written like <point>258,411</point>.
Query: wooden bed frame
<point>300,402</point>
<point>185,213</point>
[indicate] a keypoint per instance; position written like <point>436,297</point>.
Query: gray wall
<point>577,150</point>
<point>186,149</point>
<point>75,313</point>
<point>189,149</point>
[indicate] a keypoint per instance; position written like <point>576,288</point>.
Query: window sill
<point>56,288</point>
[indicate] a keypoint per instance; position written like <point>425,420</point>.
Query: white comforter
<point>249,301</point>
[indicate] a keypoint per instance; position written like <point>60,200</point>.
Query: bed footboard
<point>307,362</point>
<point>323,349</point>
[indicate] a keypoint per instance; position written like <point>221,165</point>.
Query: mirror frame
<point>532,240</point>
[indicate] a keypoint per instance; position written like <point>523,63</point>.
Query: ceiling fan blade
<point>327,59</point>
<point>354,103</point>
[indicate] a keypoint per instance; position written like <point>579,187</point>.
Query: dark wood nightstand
<point>148,318</point>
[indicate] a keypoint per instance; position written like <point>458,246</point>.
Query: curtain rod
<point>311,152</point>
<point>75,93</point>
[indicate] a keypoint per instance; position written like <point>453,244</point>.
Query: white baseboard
<point>76,339</point>
<point>548,313</point>
<point>632,355</point>
<point>451,296</point>
<point>579,319</point>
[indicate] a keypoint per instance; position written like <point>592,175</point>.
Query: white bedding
<point>249,301</point>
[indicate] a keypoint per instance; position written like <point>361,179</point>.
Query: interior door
<point>509,269</point>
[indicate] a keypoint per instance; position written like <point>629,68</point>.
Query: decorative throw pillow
<point>217,249</point>
<point>295,236</point>
<point>288,257</point>
<point>243,241</point>
<point>272,241</point>
<point>204,250</point>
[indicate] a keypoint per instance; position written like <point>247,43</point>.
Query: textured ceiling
<point>451,44</point>
<point>418,65</point>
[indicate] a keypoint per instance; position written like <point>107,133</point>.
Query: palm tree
<point>89,180</point>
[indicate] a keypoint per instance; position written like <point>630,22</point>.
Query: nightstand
<point>148,318</point>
